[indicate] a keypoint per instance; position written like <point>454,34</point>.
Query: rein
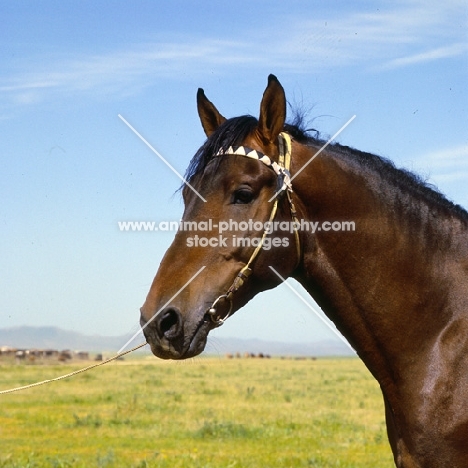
<point>284,186</point>
<point>71,374</point>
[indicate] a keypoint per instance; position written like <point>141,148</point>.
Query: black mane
<point>235,130</point>
<point>231,133</point>
<point>404,180</point>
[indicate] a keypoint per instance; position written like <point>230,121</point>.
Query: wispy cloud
<point>405,34</point>
<point>402,35</point>
<point>118,71</point>
<point>121,72</point>
<point>431,55</point>
<point>448,164</point>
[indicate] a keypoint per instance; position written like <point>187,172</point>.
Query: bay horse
<point>396,286</point>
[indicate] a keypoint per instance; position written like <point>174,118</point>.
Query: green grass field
<point>207,412</point>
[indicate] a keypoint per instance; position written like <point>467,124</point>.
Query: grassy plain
<point>207,412</point>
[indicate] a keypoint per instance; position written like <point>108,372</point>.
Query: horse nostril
<point>170,322</point>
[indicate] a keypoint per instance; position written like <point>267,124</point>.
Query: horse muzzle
<point>170,336</point>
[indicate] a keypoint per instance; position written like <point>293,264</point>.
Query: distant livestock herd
<point>262,356</point>
<point>32,356</point>
<point>8,353</point>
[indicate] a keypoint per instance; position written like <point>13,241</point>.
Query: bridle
<point>284,186</point>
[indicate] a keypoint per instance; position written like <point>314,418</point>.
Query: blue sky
<point>71,169</point>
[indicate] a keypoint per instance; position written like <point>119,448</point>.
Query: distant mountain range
<point>56,338</point>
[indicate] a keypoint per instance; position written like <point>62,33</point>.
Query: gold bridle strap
<point>285,161</point>
<point>282,171</point>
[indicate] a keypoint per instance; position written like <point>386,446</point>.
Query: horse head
<point>237,192</point>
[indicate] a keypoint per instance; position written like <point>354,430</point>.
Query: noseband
<point>284,186</point>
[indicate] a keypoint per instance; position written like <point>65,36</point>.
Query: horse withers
<point>395,286</point>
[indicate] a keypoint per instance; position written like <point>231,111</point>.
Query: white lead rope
<point>71,374</point>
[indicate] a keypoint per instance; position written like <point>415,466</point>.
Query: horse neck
<point>380,279</point>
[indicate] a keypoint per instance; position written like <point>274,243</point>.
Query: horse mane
<point>405,180</point>
<point>402,179</point>
<point>235,130</point>
<point>232,132</point>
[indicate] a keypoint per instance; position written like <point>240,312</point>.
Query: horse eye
<point>242,197</point>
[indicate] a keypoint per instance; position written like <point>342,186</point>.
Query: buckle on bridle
<point>283,182</point>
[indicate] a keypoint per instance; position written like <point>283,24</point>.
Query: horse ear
<point>272,111</point>
<point>210,118</point>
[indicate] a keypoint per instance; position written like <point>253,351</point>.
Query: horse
<point>395,286</point>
